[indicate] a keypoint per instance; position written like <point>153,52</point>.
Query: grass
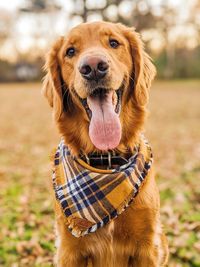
<point>27,138</point>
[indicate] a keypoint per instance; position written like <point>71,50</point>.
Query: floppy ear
<point>143,71</point>
<point>52,83</point>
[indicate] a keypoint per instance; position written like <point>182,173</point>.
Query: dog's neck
<point>125,148</point>
<point>106,159</point>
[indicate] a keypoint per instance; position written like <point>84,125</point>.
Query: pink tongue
<point>105,127</point>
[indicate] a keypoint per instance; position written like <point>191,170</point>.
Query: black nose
<point>93,68</point>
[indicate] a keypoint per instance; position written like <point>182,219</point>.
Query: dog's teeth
<point>114,99</point>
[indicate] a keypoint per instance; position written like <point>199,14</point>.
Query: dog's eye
<point>70,52</point>
<point>113,43</point>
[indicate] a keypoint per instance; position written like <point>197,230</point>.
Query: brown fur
<point>135,238</point>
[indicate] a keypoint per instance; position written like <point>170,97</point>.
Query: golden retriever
<point>93,62</point>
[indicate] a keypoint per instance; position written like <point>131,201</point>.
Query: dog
<point>97,81</point>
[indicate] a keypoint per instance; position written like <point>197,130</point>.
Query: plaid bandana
<point>90,197</point>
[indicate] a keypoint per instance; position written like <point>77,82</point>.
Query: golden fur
<point>135,238</point>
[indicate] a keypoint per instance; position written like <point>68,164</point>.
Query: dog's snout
<point>93,68</point>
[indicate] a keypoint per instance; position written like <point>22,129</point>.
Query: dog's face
<point>97,82</point>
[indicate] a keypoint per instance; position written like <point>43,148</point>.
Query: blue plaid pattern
<point>91,198</point>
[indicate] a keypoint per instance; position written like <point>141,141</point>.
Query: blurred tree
<point>157,23</point>
<point>44,13</point>
<point>41,9</point>
<point>194,18</point>
<point>165,24</point>
<point>37,6</point>
<point>136,13</point>
<point>6,24</point>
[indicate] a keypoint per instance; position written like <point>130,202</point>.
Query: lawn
<point>27,138</point>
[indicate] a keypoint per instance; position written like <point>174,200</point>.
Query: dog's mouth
<point>103,108</point>
<point>102,93</point>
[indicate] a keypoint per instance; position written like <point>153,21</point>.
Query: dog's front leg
<point>69,249</point>
<point>151,256</point>
<point>69,255</point>
<point>66,258</point>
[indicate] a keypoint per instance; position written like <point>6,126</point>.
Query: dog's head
<point>97,82</point>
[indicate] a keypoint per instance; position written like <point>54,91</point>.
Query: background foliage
<point>170,30</point>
